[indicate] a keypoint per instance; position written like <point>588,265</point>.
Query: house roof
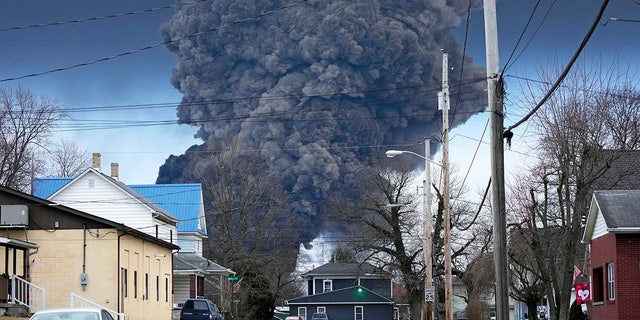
<point>162,214</point>
<point>184,201</point>
<point>45,187</point>
<point>181,201</point>
<point>619,210</point>
<point>119,226</point>
<point>189,263</point>
<point>346,295</point>
<point>623,168</point>
<point>347,269</point>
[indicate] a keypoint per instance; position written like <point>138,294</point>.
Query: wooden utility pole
<point>496,114</point>
<point>428,243</point>
<point>444,105</point>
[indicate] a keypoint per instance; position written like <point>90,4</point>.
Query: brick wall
<point>624,251</point>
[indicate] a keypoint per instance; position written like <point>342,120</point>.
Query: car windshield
<point>200,305</point>
<point>75,315</point>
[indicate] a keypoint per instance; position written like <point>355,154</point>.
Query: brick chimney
<point>114,170</point>
<point>96,161</point>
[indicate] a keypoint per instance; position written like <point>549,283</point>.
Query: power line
<point>100,124</point>
<point>116,15</point>
<point>427,88</point>
<point>566,70</point>
<point>132,52</point>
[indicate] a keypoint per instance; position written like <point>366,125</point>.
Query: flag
<point>236,286</point>
<point>583,292</point>
<point>576,273</point>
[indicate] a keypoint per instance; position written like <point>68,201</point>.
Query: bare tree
<point>393,231</point>
<point>67,159</point>
<point>479,283</point>
<point>249,230</point>
<point>26,121</point>
<point>391,234</point>
<point>575,131</point>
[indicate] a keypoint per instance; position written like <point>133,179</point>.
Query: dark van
<point>200,309</point>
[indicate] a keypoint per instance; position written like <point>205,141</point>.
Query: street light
<point>426,205</point>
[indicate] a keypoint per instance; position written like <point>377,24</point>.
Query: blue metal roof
<point>183,201</point>
<point>45,187</point>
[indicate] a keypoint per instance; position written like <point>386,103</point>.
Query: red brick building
<point>612,236</point>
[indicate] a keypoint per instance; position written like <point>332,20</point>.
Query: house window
<point>166,289</point>
<point>598,285</point>
<point>146,286</point>
<point>135,284</point>
<point>125,288</point>
<point>611,283</point>
<point>326,285</point>
<point>157,288</point>
<point>302,313</point>
<point>358,313</point>
<point>321,310</point>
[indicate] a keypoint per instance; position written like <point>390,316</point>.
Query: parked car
<point>319,316</point>
<point>200,309</point>
<point>72,314</point>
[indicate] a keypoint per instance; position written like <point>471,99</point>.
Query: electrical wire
<point>464,53</point>
<point>566,70</point>
<point>530,38</point>
<point>154,46</point>
<point>116,15</point>
<point>524,30</point>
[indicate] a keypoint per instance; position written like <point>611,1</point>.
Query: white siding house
<point>96,193</point>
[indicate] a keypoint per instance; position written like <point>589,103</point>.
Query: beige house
<point>63,256</point>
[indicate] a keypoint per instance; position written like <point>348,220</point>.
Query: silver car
<point>72,314</point>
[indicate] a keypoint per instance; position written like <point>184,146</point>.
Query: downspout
<point>83,276</point>
<point>28,275</point>
<point>84,247</point>
<point>119,286</point>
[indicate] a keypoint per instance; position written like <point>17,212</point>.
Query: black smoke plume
<point>317,88</point>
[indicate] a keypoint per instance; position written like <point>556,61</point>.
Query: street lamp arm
<point>393,153</point>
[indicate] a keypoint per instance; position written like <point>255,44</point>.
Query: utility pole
<point>443,103</point>
<point>496,115</point>
<point>428,243</point>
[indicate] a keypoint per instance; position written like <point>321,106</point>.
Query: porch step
<point>13,310</point>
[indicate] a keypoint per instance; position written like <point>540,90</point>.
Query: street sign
<point>232,278</point>
<point>429,293</point>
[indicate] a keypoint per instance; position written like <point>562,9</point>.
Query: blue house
<point>346,291</point>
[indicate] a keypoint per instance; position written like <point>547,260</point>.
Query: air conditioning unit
<point>14,215</point>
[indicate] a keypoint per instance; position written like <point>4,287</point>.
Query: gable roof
<point>188,262</point>
<point>119,226</point>
<point>622,172</point>
<point>45,189</point>
<point>347,269</point>
<point>349,294</point>
<point>184,201</point>
<point>619,209</point>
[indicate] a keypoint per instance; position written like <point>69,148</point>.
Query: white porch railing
<point>78,301</point>
<point>26,293</point>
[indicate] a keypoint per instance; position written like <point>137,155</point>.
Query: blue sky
<point>143,78</point>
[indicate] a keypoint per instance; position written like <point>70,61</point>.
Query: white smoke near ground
<point>318,88</point>
<point>315,253</point>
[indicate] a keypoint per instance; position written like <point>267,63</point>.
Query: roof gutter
<point>624,230</point>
